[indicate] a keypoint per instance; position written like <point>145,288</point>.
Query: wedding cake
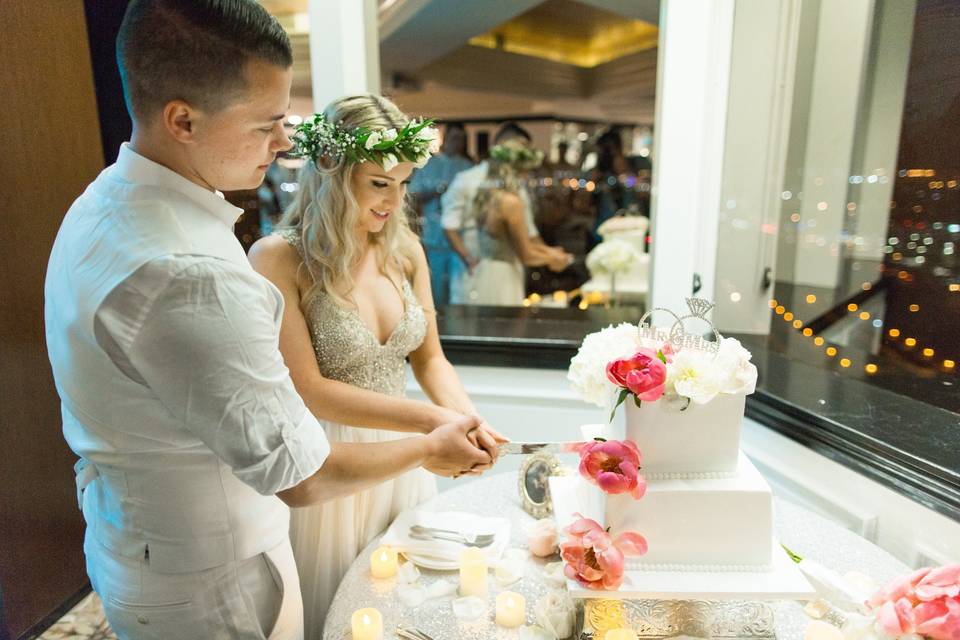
<point>622,255</point>
<point>695,514</point>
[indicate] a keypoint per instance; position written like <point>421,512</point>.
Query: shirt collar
<point>137,169</point>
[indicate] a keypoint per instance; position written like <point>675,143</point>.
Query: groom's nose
<point>282,142</point>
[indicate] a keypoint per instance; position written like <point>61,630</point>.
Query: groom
<point>163,342</point>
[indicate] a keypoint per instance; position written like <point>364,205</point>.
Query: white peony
<point>737,374</point>
<point>612,256</point>
<point>373,140</point>
<point>588,369</point>
<point>694,374</point>
<point>389,161</point>
<point>390,134</point>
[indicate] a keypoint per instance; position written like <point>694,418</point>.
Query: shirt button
<point>143,619</point>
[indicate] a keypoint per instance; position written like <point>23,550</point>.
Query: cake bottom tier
<point>723,524</point>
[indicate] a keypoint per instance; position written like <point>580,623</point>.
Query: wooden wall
<point>50,151</point>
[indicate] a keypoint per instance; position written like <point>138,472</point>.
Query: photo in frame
<point>533,483</point>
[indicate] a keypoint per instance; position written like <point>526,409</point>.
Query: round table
<point>804,532</point>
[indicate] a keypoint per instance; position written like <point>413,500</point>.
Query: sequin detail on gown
<point>326,538</point>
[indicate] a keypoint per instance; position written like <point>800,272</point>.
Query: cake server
<point>523,448</point>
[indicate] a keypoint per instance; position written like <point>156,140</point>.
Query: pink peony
<point>944,581</point>
<point>614,466</point>
<point>593,558</point>
<point>939,619</point>
<point>925,602</point>
<point>643,374</point>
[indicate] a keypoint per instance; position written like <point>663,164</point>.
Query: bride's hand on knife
<point>451,450</point>
<point>488,439</point>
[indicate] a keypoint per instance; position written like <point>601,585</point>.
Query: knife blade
<point>525,448</point>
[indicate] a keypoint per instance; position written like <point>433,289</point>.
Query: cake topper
<point>677,335</point>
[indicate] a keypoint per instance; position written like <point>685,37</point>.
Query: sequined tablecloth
<point>804,532</point>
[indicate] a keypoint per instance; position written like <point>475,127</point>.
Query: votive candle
<point>383,563</point>
<point>511,609</point>
<point>473,573</point>
<point>620,634</point>
<point>366,624</point>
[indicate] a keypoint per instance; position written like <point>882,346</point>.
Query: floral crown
<point>415,142</point>
<point>517,155</point>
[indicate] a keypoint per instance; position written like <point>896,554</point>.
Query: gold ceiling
<point>568,32</point>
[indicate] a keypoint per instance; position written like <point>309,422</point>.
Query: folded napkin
<point>443,554</point>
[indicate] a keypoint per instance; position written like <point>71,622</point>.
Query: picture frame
<point>533,485</point>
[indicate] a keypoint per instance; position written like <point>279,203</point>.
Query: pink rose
<point>614,466</point>
<point>902,587</point>
<point>643,374</point>
<point>542,538</point>
<point>593,558</point>
<point>925,602</point>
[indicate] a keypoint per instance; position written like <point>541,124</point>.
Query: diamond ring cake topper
<point>677,335</point>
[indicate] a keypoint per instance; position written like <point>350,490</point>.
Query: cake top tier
<point>669,363</point>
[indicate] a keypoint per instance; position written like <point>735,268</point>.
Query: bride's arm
<point>436,376</point>
<point>328,399</point>
<point>531,254</point>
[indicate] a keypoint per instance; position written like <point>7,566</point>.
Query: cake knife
<point>524,448</point>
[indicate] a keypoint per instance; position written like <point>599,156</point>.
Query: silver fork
<point>484,540</point>
<point>433,531</point>
<point>412,634</point>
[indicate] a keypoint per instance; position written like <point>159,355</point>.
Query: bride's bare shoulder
<point>274,257</point>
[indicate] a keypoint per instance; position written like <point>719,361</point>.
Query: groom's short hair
<point>194,50</point>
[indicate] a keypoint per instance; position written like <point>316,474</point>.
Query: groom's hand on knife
<point>452,453</point>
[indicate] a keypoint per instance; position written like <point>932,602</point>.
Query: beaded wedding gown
<point>327,538</point>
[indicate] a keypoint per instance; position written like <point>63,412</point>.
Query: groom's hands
<point>454,448</point>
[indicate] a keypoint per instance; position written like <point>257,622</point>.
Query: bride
<point>503,237</point>
<point>358,304</point>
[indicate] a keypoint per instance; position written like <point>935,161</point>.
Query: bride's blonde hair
<point>325,212</point>
<point>502,177</point>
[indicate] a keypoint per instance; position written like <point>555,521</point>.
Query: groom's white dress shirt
<point>164,347</point>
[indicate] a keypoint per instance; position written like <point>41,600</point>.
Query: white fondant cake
<point>702,439</point>
<point>714,524</point>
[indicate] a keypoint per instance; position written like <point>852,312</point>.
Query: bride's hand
<point>487,438</point>
<point>451,451</point>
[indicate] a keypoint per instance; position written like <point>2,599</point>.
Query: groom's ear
<point>179,120</point>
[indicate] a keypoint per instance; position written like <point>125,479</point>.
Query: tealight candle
<point>473,573</point>
<point>511,609</point>
<point>383,563</point>
<point>366,624</point>
<point>620,634</point>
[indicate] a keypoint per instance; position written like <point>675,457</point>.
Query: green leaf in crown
<point>317,138</point>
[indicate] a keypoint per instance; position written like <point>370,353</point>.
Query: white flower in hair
<point>373,140</point>
<point>422,161</point>
<point>390,134</point>
<point>429,133</point>
<point>389,161</point>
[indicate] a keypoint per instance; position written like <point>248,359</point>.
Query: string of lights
<point>831,350</point>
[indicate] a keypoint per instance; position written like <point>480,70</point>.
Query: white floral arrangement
<point>415,142</point>
<point>618,360</point>
<point>611,257</point>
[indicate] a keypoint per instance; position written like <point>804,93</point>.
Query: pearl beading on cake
<point>636,565</point>
<point>690,475</point>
